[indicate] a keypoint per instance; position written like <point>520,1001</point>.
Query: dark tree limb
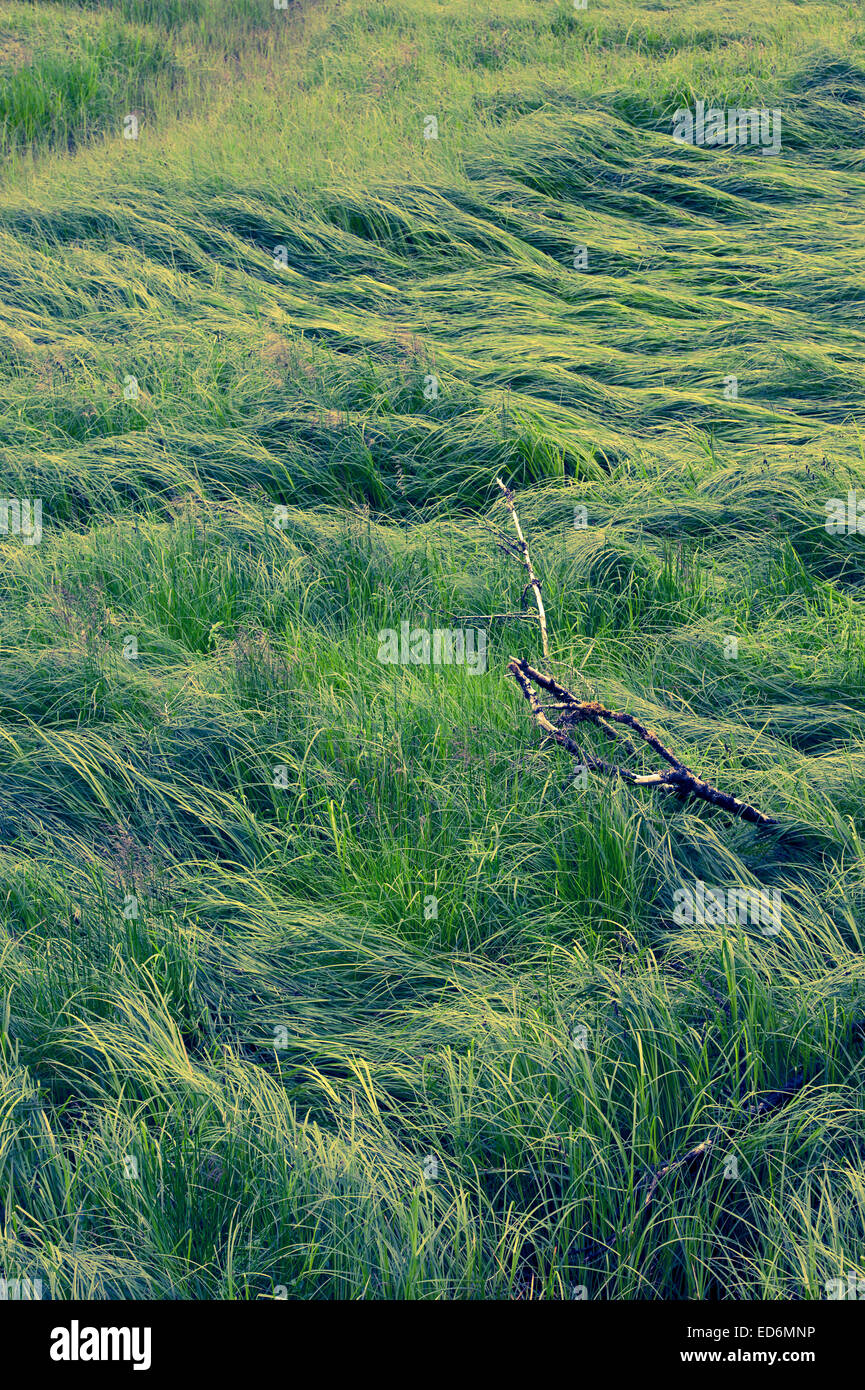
<point>694,1158</point>
<point>689,1161</point>
<point>677,777</point>
<point>494,617</point>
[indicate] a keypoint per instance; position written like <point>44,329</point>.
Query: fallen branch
<point>523,554</point>
<point>677,777</point>
<point>694,1158</point>
<point>773,1099</point>
<point>494,617</point>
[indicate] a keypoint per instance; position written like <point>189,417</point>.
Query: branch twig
<point>490,617</point>
<point>773,1100</point>
<point>534,582</point>
<point>678,777</point>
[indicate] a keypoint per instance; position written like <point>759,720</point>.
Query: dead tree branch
<point>494,617</point>
<point>676,777</point>
<point>694,1158</point>
<point>522,553</point>
<point>612,723</point>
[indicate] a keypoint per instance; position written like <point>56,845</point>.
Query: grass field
<point>320,976</point>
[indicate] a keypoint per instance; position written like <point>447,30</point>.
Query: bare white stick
<point>534,582</point>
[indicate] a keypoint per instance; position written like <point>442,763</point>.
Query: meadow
<point>322,976</point>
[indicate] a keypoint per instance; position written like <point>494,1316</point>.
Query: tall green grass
<point>322,977</point>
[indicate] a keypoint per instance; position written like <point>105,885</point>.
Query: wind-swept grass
<point>323,977</point>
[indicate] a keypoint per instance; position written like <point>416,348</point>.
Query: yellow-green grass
<point>300,949</point>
